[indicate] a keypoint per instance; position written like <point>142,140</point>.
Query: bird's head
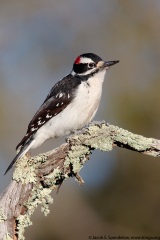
<point>90,64</point>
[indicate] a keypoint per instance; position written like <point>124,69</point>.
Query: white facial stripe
<point>86,60</point>
<point>87,72</point>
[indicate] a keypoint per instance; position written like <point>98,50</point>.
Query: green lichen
<point>25,168</point>
<point>39,196</point>
<point>25,172</point>
<point>76,156</point>
<point>101,142</point>
<point>99,139</point>
<point>52,178</point>
<point>135,141</point>
<point>82,145</point>
<point>23,222</point>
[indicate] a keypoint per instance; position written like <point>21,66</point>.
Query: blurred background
<point>39,40</point>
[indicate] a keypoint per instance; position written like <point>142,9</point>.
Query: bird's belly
<point>76,115</point>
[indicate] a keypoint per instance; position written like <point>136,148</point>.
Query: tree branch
<point>34,178</point>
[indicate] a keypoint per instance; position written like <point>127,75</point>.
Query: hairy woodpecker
<point>71,104</point>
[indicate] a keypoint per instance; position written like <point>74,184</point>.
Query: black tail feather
<point>21,153</point>
<point>13,161</point>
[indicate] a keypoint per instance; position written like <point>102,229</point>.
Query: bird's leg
<point>76,131</point>
<point>97,123</point>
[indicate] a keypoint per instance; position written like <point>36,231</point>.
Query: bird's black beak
<point>110,63</point>
<point>102,64</point>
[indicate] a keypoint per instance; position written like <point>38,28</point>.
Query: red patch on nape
<point>78,59</point>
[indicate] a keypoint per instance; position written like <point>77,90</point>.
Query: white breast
<point>77,114</point>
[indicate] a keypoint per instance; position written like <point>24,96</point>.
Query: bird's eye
<point>91,65</point>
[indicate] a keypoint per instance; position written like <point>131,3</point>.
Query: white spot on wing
<point>48,116</point>
<point>57,105</point>
<point>60,95</point>
<point>68,96</point>
<point>40,123</point>
<point>33,129</point>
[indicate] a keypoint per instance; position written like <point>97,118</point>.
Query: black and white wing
<point>57,100</point>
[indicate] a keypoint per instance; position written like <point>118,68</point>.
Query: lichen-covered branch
<point>34,178</point>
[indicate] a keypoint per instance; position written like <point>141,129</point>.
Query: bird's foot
<point>97,123</point>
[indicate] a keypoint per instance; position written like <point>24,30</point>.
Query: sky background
<point>39,41</point>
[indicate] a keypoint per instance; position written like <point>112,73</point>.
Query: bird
<point>70,105</point>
